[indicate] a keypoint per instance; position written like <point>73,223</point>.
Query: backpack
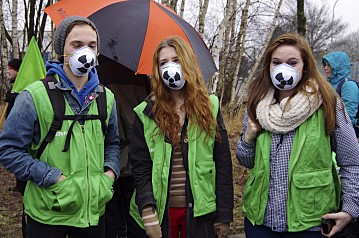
<point>58,106</point>
<point>339,91</point>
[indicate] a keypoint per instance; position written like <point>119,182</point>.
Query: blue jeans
<point>265,232</point>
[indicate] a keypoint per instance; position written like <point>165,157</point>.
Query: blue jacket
<point>340,64</point>
<point>22,127</point>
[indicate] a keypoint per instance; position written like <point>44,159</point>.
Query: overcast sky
<point>347,9</point>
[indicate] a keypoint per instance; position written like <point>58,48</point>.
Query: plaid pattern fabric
<point>343,142</point>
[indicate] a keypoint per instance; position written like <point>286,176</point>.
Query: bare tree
<point>301,17</point>
<point>35,19</point>
<point>259,59</point>
<point>240,47</point>
<point>320,30</point>
<point>4,53</point>
<point>14,31</point>
<point>350,45</point>
<point>183,2</point>
<point>221,42</point>
<point>202,14</point>
<point>229,39</point>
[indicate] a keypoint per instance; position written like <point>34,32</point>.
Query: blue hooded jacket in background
<point>340,64</point>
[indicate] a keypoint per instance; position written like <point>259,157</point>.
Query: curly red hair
<point>197,104</point>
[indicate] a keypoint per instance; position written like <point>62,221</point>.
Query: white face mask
<point>82,60</point>
<point>285,77</point>
<point>172,75</point>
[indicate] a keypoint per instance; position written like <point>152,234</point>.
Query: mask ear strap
<point>64,55</point>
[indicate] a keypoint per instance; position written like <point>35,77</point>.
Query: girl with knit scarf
<point>294,122</point>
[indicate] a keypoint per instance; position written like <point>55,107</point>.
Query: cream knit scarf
<point>280,118</point>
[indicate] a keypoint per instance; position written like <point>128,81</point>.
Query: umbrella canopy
<point>130,30</point>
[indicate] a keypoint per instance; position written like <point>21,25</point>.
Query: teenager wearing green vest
<point>67,189</point>
<point>180,153</point>
<point>293,123</point>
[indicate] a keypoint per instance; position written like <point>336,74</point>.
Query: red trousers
<point>178,222</point>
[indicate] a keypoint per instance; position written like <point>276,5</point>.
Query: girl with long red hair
<point>180,153</point>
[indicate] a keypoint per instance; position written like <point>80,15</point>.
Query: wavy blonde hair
<point>197,104</point>
<point>260,86</point>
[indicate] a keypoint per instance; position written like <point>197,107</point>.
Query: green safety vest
<point>313,182</point>
<point>202,170</point>
<point>80,199</point>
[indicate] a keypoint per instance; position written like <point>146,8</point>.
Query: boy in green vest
<point>70,181</point>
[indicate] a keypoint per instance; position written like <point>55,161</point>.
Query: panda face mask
<point>172,75</point>
<point>285,77</point>
<point>82,60</point>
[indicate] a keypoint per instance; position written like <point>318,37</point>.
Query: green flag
<point>32,67</point>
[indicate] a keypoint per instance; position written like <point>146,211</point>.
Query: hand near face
<point>251,132</point>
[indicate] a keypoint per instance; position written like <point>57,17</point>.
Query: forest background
<point>237,33</point>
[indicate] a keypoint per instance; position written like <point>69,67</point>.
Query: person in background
<point>129,89</point>
<point>69,184</point>
<point>294,121</point>
<point>180,155</point>
<point>11,72</point>
<point>337,69</point>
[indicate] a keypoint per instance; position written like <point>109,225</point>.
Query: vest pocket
<point>66,196</point>
<point>313,193</point>
<point>105,191</point>
<point>206,180</point>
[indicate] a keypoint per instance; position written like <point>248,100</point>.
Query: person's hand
<point>221,229</point>
<point>60,178</point>
<point>341,220</point>
<point>153,231</point>
<point>151,222</point>
<point>251,132</point>
<point>111,174</point>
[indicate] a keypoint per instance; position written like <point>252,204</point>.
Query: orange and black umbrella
<point>130,30</point>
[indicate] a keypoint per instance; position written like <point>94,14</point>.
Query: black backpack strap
<point>58,106</point>
<point>102,108</point>
<point>340,85</point>
<point>102,116</point>
<point>56,98</point>
<point>339,91</point>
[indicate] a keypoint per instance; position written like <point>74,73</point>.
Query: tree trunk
<point>42,27</point>
<point>14,32</point>
<point>259,58</point>
<point>219,45</point>
<point>202,14</point>
<point>173,5</point>
<point>301,18</point>
<point>229,38</point>
<point>183,2</point>
<point>4,53</point>
<point>31,20</point>
<point>240,48</point>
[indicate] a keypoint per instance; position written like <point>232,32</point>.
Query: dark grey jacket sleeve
<point>224,176</point>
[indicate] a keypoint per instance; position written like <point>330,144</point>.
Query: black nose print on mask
<point>282,81</point>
